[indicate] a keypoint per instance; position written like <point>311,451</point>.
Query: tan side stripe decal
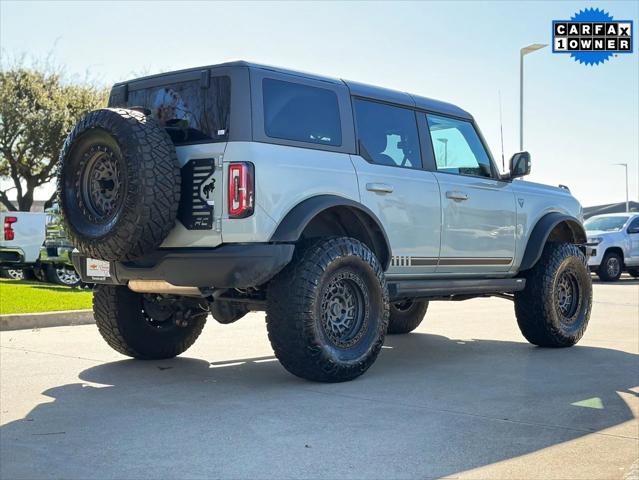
<point>424,261</point>
<point>475,261</point>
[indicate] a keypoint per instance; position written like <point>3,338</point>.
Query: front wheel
<point>610,268</point>
<point>146,326</point>
<point>327,311</point>
<point>554,308</point>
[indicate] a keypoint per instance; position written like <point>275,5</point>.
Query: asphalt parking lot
<point>463,397</point>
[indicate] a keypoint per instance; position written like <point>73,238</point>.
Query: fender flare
<point>295,221</point>
<point>541,231</point>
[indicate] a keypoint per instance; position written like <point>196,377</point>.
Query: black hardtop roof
<point>356,88</point>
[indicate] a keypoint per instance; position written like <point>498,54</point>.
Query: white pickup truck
<point>21,239</point>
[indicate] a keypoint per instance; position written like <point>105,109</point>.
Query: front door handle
<point>379,187</point>
<point>457,196</point>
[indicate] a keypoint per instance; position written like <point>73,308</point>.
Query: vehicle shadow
<point>431,406</point>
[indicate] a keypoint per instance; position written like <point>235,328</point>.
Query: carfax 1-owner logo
<point>592,36</point>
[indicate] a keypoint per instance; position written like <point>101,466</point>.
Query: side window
<point>457,147</point>
<point>387,135</point>
<point>293,111</point>
<point>190,113</point>
<point>634,225</point>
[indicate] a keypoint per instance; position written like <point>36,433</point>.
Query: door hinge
<point>217,224</point>
<point>219,161</point>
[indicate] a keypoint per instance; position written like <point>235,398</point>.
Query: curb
<point>22,321</point>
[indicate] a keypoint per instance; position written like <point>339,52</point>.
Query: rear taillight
<point>9,234</point>
<point>241,189</point>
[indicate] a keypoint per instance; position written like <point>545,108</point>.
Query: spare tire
<point>118,184</point>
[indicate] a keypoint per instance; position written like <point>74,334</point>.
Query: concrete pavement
<point>463,397</point>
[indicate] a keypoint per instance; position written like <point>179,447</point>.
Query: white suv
<point>615,238</point>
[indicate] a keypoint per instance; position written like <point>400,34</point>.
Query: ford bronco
<point>341,209</point>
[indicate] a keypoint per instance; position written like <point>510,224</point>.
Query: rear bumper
<point>227,266</point>
<point>11,257</point>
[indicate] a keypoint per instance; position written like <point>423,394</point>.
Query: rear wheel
<point>405,316</point>
<point>611,267</point>
<point>12,273</point>
<point>327,311</point>
<point>554,308</point>
<point>146,326</point>
<point>63,275</point>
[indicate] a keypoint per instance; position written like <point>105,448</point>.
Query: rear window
<point>301,113</point>
<point>189,112</point>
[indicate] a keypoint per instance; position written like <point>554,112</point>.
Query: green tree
<point>38,108</point>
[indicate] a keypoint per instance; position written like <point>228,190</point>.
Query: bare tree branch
<point>6,202</point>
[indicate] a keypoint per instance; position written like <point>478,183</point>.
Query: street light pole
<point>627,198</point>
<point>524,51</point>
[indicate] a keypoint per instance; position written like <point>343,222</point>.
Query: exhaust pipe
<point>161,286</point>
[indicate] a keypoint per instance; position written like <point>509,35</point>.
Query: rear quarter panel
<point>284,177</point>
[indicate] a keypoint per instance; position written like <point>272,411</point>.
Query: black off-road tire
<point>124,323</point>
<point>323,281</point>
<point>609,272</point>
<point>544,314</point>
<point>633,272</point>
<point>228,312</point>
<point>118,184</point>
<point>406,316</point>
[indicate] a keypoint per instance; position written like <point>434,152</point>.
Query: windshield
<point>605,224</point>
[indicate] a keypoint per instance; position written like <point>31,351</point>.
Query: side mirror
<point>520,164</point>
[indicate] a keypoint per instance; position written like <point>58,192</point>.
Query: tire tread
<point>290,318</point>
<point>534,306</point>
<point>153,175</point>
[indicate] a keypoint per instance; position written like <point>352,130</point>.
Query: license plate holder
<point>98,269</point>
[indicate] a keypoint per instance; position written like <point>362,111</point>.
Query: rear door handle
<point>457,196</point>
<point>379,187</point>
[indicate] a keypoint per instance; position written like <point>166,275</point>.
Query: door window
<point>457,147</point>
<point>387,134</point>
<point>634,226</point>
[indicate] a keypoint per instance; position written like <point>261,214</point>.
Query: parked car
<point>340,208</point>
<point>22,237</point>
<point>55,254</point>
<point>616,240</point>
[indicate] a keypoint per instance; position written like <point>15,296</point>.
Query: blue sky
<point>578,119</point>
